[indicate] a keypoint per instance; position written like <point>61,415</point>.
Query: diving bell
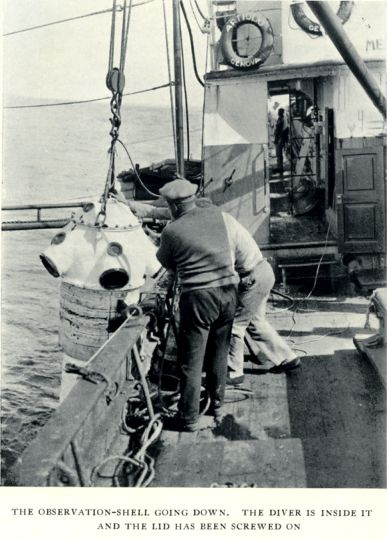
<point>114,255</point>
<point>103,259</point>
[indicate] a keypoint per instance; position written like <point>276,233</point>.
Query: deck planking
<point>322,425</point>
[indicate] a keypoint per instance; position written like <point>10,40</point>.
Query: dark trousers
<point>206,317</point>
<point>280,159</point>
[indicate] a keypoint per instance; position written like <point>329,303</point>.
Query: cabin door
<point>360,199</point>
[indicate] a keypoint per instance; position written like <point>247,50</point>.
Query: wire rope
<point>195,16</point>
<point>170,80</point>
<point>125,34</point>
<point>313,287</point>
<point>112,31</point>
<point>192,45</point>
<point>185,93</point>
<point>136,173</point>
<point>81,101</point>
<point>37,27</point>
<point>200,11</point>
<point>203,117</point>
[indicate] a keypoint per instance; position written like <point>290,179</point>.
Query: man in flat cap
<point>195,246</point>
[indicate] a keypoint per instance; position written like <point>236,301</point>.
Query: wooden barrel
<point>87,318</point>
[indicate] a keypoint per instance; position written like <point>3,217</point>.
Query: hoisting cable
<point>136,173</point>
<point>185,93</point>
<point>205,21</point>
<point>112,32</point>
<point>200,11</point>
<point>170,80</point>
<point>202,187</point>
<point>192,45</point>
<point>195,16</point>
<point>115,81</point>
<point>124,37</point>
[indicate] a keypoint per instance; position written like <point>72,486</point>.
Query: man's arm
<point>164,253</point>
<point>143,210</point>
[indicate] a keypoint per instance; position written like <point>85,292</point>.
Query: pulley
<point>115,81</point>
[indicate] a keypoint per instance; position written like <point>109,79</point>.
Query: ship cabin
<point>328,204</point>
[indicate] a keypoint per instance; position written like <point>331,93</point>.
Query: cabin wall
<point>356,115</point>
<point>235,145</point>
<point>356,213</point>
<point>366,28</point>
<point>271,10</point>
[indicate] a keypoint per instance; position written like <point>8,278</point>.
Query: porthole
<point>114,278</point>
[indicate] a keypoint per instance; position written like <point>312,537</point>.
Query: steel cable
<point>200,11</point>
<point>119,8</point>
<point>185,93</point>
<point>192,45</point>
<point>136,173</point>
<point>170,80</point>
<point>195,16</point>
<point>112,32</point>
<point>203,117</point>
<point>79,102</point>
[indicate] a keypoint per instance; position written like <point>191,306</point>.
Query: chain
<point>115,82</point>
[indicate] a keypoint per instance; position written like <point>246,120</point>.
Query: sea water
<point>55,154</point>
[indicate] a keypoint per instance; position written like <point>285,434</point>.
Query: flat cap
<point>178,190</point>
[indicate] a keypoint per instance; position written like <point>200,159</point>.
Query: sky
<point>69,61</point>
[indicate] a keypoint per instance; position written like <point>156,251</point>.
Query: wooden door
<point>360,199</point>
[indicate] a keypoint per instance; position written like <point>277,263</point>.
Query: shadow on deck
<point>337,409</point>
<point>322,426</point>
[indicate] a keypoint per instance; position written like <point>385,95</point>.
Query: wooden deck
<point>322,425</point>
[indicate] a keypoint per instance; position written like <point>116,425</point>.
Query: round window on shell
<point>88,206</point>
<point>114,249</point>
<point>114,278</point>
<point>58,238</point>
<point>49,265</point>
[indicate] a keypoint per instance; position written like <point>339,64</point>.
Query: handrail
<point>54,223</point>
<point>37,223</point>
<point>38,206</point>
<point>77,436</point>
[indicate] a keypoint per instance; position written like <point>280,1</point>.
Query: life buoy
<point>228,33</point>
<point>311,27</point>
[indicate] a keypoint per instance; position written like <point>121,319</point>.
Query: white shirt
<point>245,251</point>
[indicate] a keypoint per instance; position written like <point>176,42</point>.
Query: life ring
<point>344,12</point>
<point>228,34</point>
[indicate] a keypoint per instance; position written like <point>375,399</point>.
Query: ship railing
<point>36,221</point>
<point>77,437</point>
<point>28,222</point>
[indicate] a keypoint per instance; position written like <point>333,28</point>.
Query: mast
<point>177,50</point>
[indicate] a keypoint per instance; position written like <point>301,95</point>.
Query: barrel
<point>87,319</point>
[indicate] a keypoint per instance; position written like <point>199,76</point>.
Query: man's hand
<point>155,237</point>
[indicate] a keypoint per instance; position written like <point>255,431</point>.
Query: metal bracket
<point>92,376</point>
<point>229,181</point>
